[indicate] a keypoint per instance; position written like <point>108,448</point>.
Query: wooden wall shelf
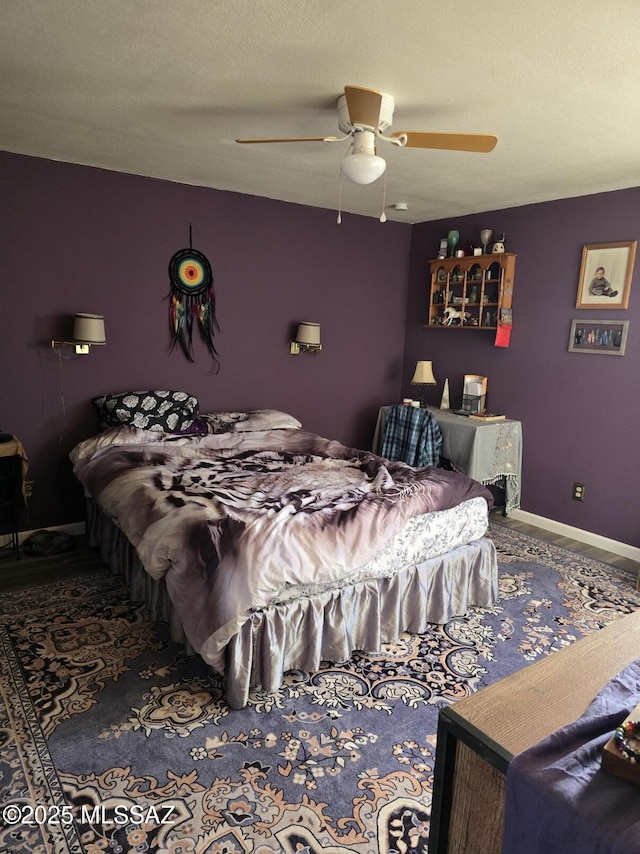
<point>474,288</point>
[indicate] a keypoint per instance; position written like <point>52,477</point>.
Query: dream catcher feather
<point>192,302</point>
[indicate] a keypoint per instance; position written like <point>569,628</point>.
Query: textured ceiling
<point>163,88</point>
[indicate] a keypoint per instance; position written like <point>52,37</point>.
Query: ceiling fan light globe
<point>363,168</point>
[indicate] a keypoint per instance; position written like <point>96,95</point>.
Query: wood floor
<point>565,542</point>
<point>36,570</point>
<point>30,570</point>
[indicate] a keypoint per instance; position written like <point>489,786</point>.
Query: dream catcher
<point>193,301</point>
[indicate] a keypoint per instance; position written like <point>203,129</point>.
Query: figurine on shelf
<point>498,246</point>
<point>453,316</point>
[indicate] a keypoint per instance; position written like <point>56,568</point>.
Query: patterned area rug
<point>112,739</point>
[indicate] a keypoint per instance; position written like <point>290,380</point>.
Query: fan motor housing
<point>384,123</point>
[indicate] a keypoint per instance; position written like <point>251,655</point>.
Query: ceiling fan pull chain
<point>340,198</point>
<point>383,216</point>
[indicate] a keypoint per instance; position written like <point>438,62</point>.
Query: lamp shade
<point>362,165</point>
<point>89,329</point>
<point>308,333</point>
<point>423,374</point>
<point>363,168</point>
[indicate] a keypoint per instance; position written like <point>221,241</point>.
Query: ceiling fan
<point>364,115</point>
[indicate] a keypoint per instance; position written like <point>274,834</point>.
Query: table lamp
<point>423,376</point>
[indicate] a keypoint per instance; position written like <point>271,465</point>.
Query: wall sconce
<point>307,339</point>
<point>423,376</point>
<point>88,329</point>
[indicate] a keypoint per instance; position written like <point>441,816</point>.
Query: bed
<point>269,548</point>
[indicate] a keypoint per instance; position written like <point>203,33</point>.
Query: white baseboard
<point>76,529</point>
<point>595,540</point>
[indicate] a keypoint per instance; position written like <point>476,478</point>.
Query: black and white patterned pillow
<point>166,411</point>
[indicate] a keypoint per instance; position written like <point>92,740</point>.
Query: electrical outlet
<point>578,491</point>
<point>29,489</point>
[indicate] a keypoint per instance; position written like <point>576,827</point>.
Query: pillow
<point>110,436</point>
<point>267,419</point>
<point>167,411</point>
<point>223,422</point>
<point>256,419</point>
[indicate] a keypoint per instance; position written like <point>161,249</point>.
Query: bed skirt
<point>302,633</point>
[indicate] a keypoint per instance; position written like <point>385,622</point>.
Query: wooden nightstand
<point>12,469</point>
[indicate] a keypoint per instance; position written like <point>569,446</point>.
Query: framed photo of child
<point>605,275</point>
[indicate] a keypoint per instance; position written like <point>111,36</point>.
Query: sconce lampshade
<point>308,333</point>
<point>89,329</point>
<point>423,374</point>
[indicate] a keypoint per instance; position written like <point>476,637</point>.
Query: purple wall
<point>580,412</point>
<point>76,239</point>
<point>80,239</point>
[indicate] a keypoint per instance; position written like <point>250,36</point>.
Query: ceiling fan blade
<point>294,139</point>
<point>481,143</point>
<point>363,106</point>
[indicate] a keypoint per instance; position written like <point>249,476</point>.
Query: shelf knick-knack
<point>444,403</point>
<point>498,246</point>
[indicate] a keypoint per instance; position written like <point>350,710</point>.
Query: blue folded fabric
<point>558,797</point>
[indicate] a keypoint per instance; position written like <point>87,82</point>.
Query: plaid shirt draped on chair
<point>411,436</point>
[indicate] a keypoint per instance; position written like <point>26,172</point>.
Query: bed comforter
<point>232,520</point>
